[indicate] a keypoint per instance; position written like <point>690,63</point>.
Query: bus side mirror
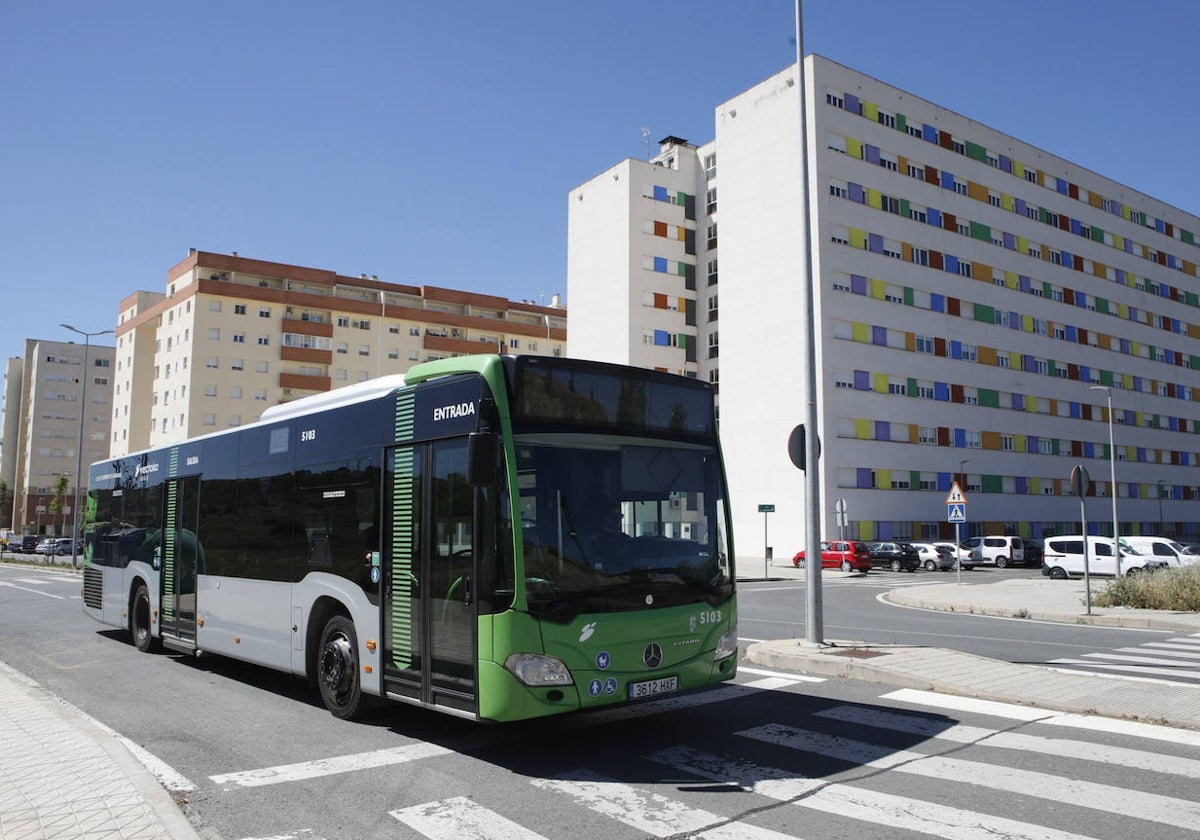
<point>483,458</point>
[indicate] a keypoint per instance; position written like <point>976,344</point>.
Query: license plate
<point>651,688</point>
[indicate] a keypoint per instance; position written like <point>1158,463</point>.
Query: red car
<point>846,555</point>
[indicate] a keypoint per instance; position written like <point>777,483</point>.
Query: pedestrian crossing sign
<point>956,513</point>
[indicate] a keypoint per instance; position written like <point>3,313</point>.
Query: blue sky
<point>434,142</point>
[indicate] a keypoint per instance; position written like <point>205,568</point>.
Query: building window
<point>712,272</point>
<point>262,367</point>
<point>239,338</point>
<point>214,334</point>
<point>711,200</point>
<point>920,256</point>
<point>237,364</point>
<point>925,344</point>
<point>211,362</point>
<point>927,435</point>
<point>917,215</point>
<point>239,309</point>
<point>264,313</point>
<point>710,167</point>
<point>343,321</point>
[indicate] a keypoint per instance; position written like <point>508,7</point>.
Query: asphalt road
<point>853,610</point>
<point>253,754</point>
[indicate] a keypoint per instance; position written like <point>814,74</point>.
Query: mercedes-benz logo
<point>652,655</point>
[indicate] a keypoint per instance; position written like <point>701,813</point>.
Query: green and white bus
<point>495,537</point>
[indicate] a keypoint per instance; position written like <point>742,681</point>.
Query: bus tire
<point>140,621</point>
<point>337,669</point>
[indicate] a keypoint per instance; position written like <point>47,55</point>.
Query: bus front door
<point>181,557</point>
<point>429,604</point>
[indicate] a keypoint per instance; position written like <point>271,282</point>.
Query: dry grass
<point>1170,589</point>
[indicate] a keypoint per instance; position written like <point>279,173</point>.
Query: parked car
<point>46,546</point>
<point>847,555</point>
<point>896,556</point>
<point>1174,553</point>
<point>999,550</point>
<point>935,558</point>
<point>1063,557</point>
<point>962,554</point>
<point>63,547</point>
<point>26,544</point>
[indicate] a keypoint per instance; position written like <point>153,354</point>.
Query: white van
<point>1162,548</point>
<point>1062,557</point>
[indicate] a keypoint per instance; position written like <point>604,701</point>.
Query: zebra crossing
<point>1032,774</point>
<point>1175,660</point>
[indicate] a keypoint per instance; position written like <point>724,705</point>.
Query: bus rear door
<point>182,557</point>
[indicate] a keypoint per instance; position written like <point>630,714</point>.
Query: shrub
<point>1168,589</point>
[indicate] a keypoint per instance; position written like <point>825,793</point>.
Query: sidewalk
<point>64,777</point>
<point>952,672</point>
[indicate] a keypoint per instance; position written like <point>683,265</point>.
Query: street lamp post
<point>1112,467</point>
<point>75,535</point>
<point>958,534</point>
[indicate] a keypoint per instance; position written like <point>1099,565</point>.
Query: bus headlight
<point>534,669</point>
<point>727,645</point>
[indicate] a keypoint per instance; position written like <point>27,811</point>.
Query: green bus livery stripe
<point>402,554</point>
<point>167,548</point>
<point>406,413</point>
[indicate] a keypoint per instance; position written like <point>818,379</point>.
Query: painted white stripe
<point>1130,668</point>
<point>34,591</point>
<point>1176,658</point>
<point>1009,711</point>
<point>329,766</point>
<point>1106,798</point>
<point>1111,676</point>
<point>932,728</point>
<point>459,818</point>
<point>897,812</point>
<point>651,813</point>
<point>761,672</point>
<point>1167,646</point>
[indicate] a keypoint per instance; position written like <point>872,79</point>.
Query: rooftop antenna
<point>646,140</point>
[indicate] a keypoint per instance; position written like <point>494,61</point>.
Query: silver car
<point>934,558</point>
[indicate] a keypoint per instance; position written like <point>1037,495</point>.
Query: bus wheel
<point>337,669</point>
<point>139,621</point>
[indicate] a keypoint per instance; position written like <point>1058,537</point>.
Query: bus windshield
<point>611,523</point>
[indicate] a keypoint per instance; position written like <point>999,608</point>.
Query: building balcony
<point>305,327</point>
<point>306,354</point>
<point>304,382</point>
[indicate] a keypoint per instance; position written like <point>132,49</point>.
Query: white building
<point>973,296</point>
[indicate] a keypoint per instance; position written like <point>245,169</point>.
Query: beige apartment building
<point>45,394</point>
<point>232,336</point>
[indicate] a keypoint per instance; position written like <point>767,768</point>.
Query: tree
<point>58,500</point>
<point>6,504</point>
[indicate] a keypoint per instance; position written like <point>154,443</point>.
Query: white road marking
<point>651,813</point>
<point>1129,667</point>
<point>330,766</point>
<point>460,818</point>
<point>34,591</point>
<point>1011,711</point>
<point>960,734</point>
<point>884,809</point>
<point>1099,797</point>
<point>762,672</point>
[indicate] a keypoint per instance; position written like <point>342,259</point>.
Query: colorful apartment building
<point>978,302</point>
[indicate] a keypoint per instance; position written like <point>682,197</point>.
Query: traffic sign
<point>956,496</point>
<point>766,508</point>
<point>956,513</point>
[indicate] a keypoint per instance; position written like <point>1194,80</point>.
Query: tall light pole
<point>75,534</point>
<point>1112,466</point>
